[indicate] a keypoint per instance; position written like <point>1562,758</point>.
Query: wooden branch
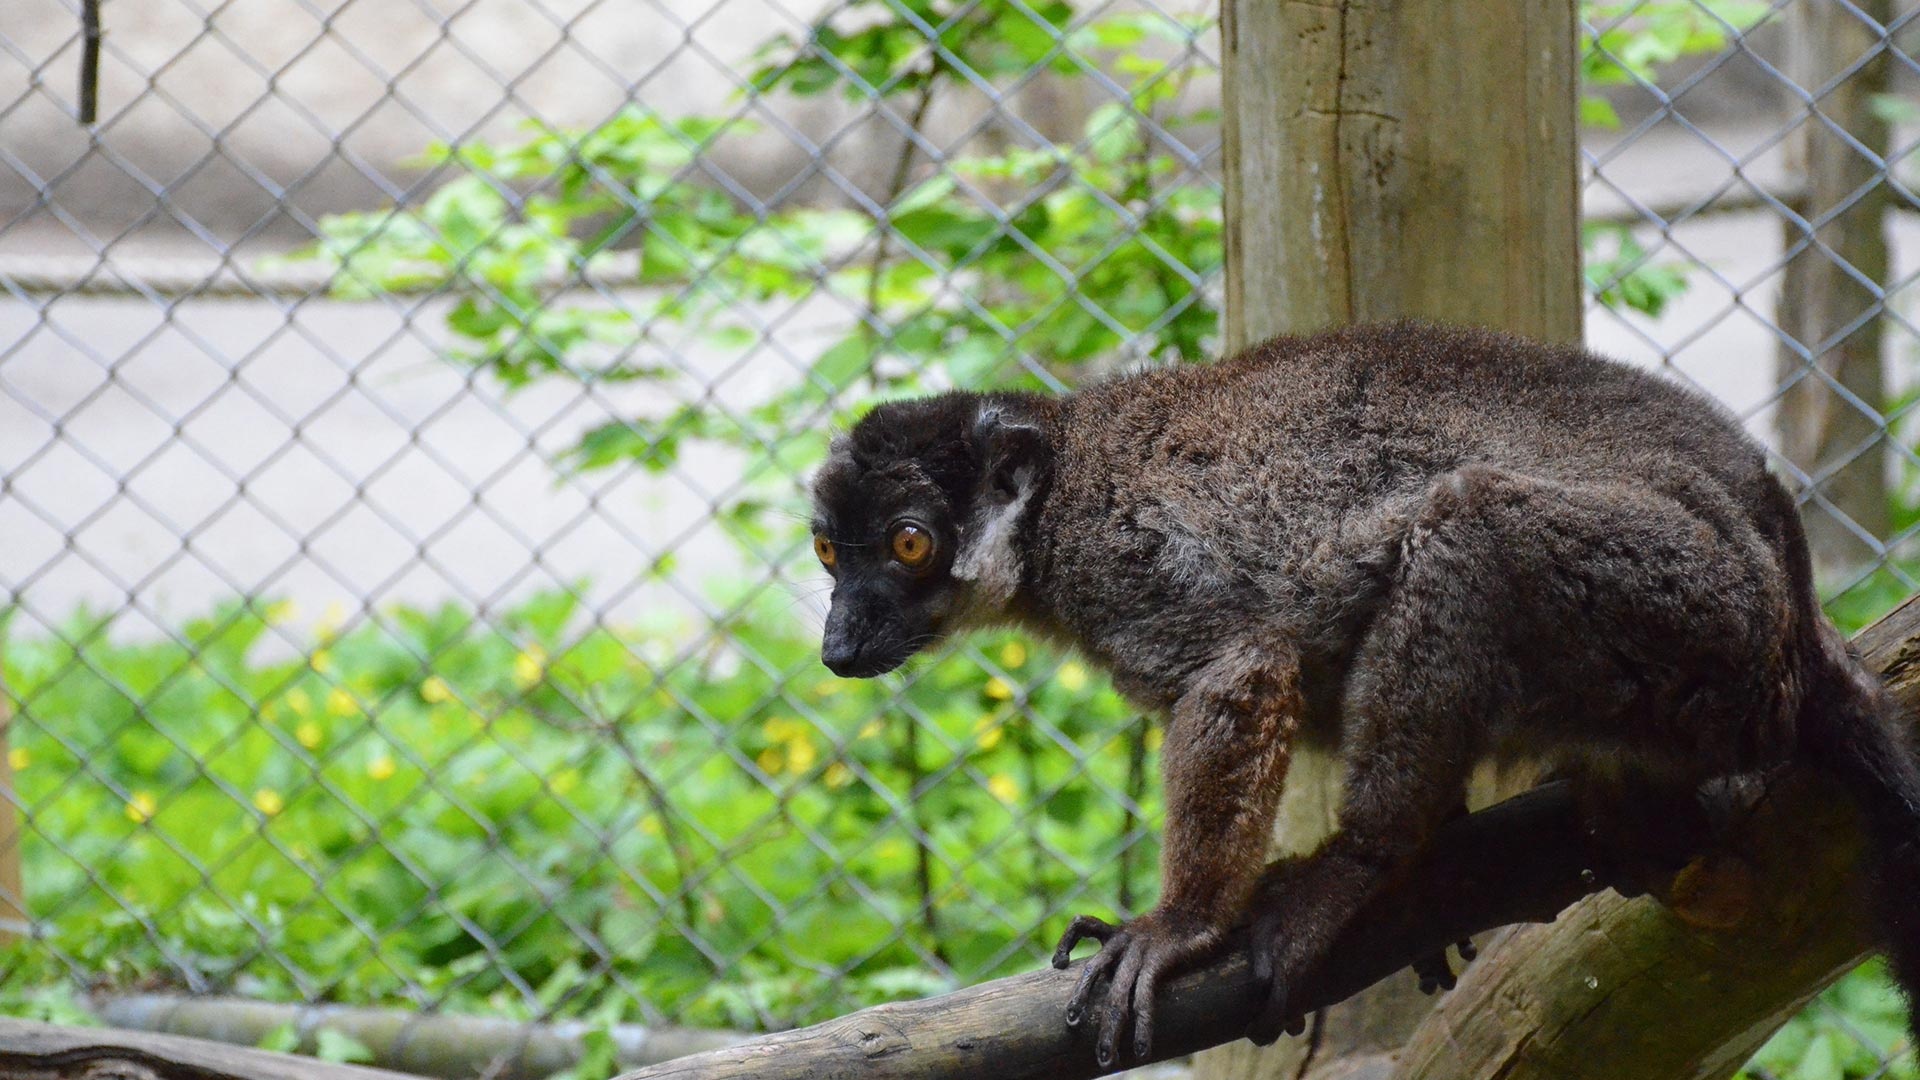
<point>30,1051</point>
<point>1523,860</point>
<point>423,1044</point>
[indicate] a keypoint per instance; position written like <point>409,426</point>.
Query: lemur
<point>1416,546</point>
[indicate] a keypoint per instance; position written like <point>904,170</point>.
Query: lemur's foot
<point>1436,971</point>
<point>1137,956</point>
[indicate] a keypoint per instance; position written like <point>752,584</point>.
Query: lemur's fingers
<point>1273,1016</point>
<point>1434,972</point>
<point>1143,992</point>
<point>1119,1007</point>
<point>1466,949</point>
<point>1082,928</point>
<point>1090,976</point>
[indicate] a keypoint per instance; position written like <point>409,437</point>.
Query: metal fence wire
<point>405,411</point>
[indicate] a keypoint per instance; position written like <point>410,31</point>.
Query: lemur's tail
<point>1854,729</point>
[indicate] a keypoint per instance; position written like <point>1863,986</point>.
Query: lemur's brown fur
<point>1420,546</point>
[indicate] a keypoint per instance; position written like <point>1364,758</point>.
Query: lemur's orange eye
<point>823,549</point>
<point>912,546</point>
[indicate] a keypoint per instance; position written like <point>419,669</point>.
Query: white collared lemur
<point>1423,547</point>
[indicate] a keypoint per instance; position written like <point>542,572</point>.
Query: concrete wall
<point>231,108</point>
<point>225,110</point>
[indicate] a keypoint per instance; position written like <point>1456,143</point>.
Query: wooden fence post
<point>1389,159</point>
<point>1386,160</point>
<point>1833,292</point>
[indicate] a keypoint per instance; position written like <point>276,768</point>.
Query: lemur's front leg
<point>1228,743</point>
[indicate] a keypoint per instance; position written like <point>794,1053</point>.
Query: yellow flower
<point>281,612</point>
<point>873,728</point>
<point>268,801</point>
<point>530,667</point>
<point>321,661</point>
<point>299,702</point>
<point>140,807</point>
<point>828,687</point>
<point>1013,654</point>
<point>435,690</point>
<point>564,781</point>
<point>1155,736</point>
<point>998,690</point>
<point>801,755</point>
<point>341,703</point>
<point>18,758</point>
<point>308,734</point>
<point>838,775</point>
<point>989,731</point>
<point>780,729</point>
<point>381,768</point>
<point>1003,787</point>
<point>770,760</point>
<point>1072,677</point>
<point>334,617</point>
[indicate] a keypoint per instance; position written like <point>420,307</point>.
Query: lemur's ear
<point>1012,453</point>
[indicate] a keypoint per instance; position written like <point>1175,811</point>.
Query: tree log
<point>1523,860</point>
<point>31,1051</point>
<point>422,1044</point>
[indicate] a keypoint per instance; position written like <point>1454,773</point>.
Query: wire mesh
<point>403,418</point>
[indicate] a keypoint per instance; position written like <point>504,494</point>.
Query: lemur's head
<point>916,514</point>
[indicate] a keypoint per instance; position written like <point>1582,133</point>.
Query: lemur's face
<point>914,516</point>
<point>885,532</point>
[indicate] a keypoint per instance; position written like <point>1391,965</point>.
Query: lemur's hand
<point>1436,971</point>
<point>1138,955</point>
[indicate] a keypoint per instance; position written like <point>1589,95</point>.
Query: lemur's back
<point>1319,427</point>
<point>1278,479</point>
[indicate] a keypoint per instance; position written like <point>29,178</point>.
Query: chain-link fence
<point>404,416</point>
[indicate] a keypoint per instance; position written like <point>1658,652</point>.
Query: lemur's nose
<point>840,645</point>
<point>839,655</point>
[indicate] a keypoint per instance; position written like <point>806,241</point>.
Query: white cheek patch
<point>987,556</point>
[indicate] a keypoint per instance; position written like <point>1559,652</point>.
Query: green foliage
<point>1027,266</point>
<point>1851,1032</point>
<point>634,824</point>
<point>1620,275</point>
<point>1628,40</point>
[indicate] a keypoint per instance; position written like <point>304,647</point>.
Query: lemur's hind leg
<point>1404,774</point>
<point>1594,614</point>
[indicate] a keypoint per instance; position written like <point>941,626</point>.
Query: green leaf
<point>284,1039</point>
<point>1598,112</point>
<point>340,1048</point>
<point>846,361</point>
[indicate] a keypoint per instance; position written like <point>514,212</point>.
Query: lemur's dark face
<point>912,515</point>
<point>887,534</point>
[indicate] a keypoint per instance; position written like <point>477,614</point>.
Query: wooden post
<point>1387,160</point>
<point>1832,295</point>
<point>13,892</point>
<point>1393,159</point>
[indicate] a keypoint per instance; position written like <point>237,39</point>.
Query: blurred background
<point>404,416</point>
